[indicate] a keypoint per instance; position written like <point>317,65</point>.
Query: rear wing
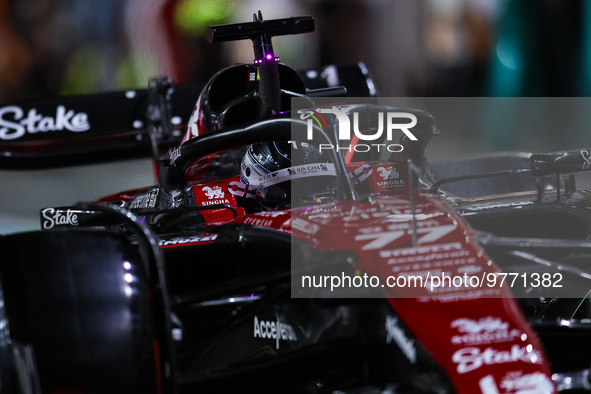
<point>565,162</point>
<point>103,127</point>
<point>62,131</point>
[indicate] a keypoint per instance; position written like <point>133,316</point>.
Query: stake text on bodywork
<point>34,122</point>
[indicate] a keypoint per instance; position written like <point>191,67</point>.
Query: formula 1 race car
<point>267,258</point>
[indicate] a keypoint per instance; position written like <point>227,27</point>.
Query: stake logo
<point>586,159</point>
<point>35,122</point>
<point>471,358</point>
<point>58,217</point>
<point>361,140</point>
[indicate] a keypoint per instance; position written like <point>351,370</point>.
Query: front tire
<point>79,302</point>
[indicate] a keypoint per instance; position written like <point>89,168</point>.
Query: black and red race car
<point>261,262</point>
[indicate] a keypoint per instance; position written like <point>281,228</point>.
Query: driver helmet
<point>281,172</point>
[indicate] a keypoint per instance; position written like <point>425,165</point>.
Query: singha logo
<point>483,325</point>
<point>213,193</point>
<point>388,173</point>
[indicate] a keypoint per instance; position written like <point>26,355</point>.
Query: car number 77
<point>382,239</point>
